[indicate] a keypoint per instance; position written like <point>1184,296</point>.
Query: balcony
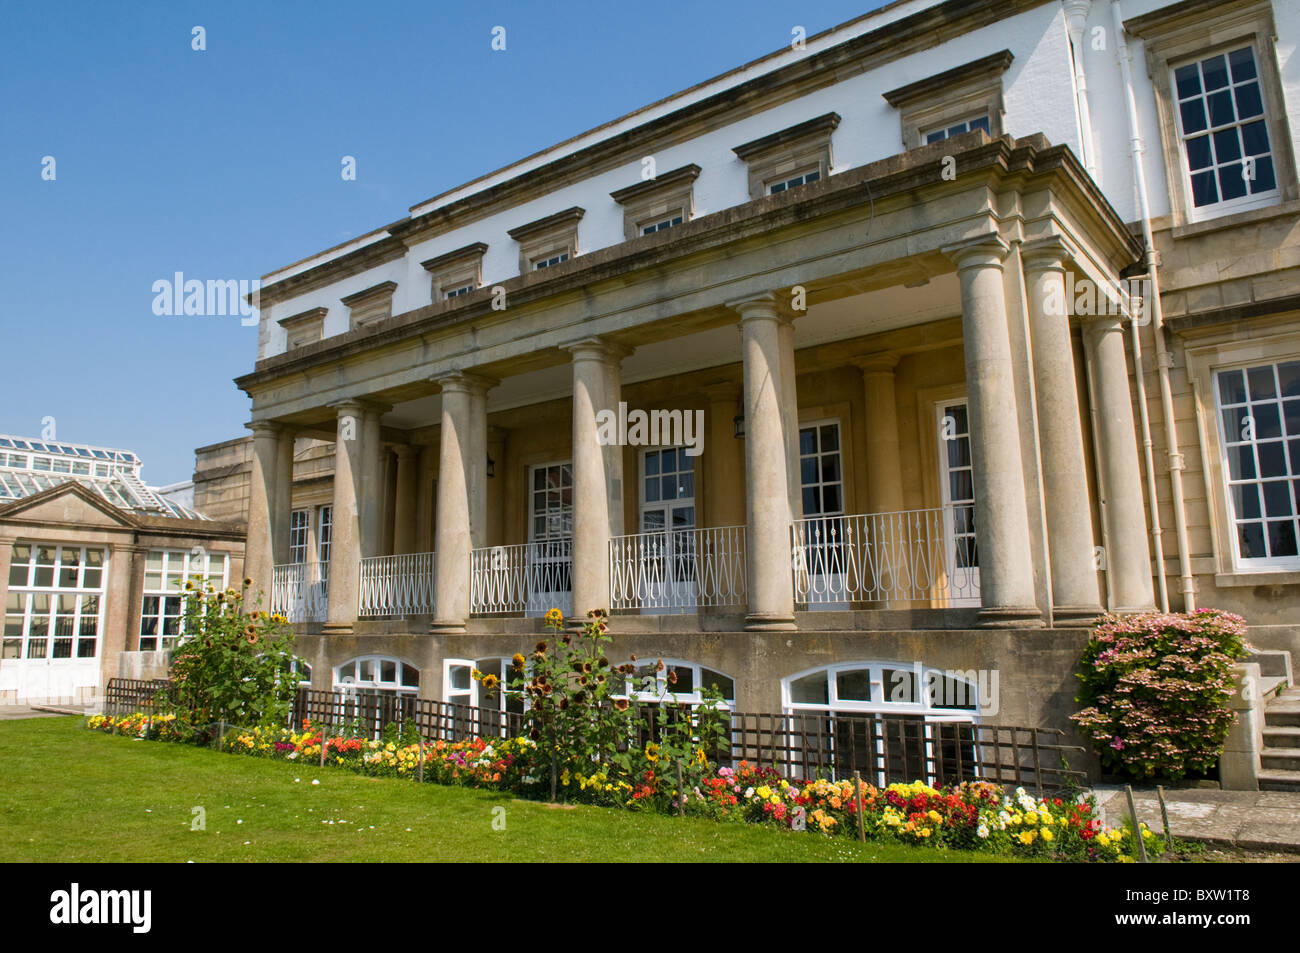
<point>300,591</point>
<point>527,578</point>
<point>397,585</point>
<point>678,570</point>
<point>925,557</point>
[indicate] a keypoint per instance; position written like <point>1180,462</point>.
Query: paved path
<point>10,712</point>
<point>1254,820</point>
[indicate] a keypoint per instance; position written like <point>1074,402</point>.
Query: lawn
<point>74,795</point>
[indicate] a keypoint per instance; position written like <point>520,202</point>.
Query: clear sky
<point>225,164</point>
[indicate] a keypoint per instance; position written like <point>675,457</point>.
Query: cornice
<point>984,68</point>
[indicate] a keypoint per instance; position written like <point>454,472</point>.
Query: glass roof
<point>118,481</point>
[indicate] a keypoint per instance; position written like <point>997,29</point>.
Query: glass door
<point>668,569</point>
<point>957,479</point>
<point>550,534</point>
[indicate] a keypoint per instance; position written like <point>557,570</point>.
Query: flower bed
<point>974,816</point>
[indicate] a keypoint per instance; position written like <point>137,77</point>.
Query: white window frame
<point>949,507</point>
<point>548,259</point>
<point>660,223</point>
<point>396,686</point>
<point>175,568</point>
<point>949,129</point>
<point>819,453</point>
<point>324,532</point>
<point>787,180</point>
<point>879,703</point>
<point>667,693</point>
<point>1255,563</point>
<point>29,591</point>
<point>299,531</point>
<point>1249,200</point>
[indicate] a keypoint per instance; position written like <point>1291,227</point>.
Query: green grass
<point>74,795</point>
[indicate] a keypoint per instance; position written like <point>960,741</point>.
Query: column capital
<point>762,305</point>
<point>983,251</point>
<point>264,427</point>
<point>464,382</point>
<point>596,349</point>
<point>1046,254</point>
<point>881,362</point>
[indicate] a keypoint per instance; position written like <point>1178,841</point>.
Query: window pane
<point>810,690</point>
<point>854,685</point>
<point>1242,62</point>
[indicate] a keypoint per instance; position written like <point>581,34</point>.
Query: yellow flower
<point>651,749</point>
<point>1048,835</point>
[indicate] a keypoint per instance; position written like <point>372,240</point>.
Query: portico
<point>911,442</point>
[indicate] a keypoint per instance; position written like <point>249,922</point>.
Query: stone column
<point>1001,521</point>
<point>614,488</point>
<point>404,506</point>
<point>591,518</point>
<point>476,466</point>
<point>264,495</point>
<point>1065,484</point>
<point>424,499</point>
<point>724,458</point>
<point>461,395</point>
<point>345,539</point>
<point>136,555</point>
<point>884,475</point>
<point>771,589</point>
<point>1128,558</point>
<point>790,416</point>
<point>119,591</point>
<point>370,492</point>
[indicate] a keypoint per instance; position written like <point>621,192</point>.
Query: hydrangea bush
<point>1154,691</point>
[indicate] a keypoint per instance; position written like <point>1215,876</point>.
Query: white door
<point>821,478</point>
<point>547,562</point>
<point>957,479</point>
<point>667,569</point>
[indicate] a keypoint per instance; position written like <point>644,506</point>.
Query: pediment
<point>68,504</point>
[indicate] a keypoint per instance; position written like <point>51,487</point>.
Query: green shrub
<point>1154,690</point>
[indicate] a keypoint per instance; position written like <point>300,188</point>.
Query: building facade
<point>911,350</point>
<point>92,561</point>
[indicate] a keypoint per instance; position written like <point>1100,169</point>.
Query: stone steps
<point>1276,779</point>
<point>1281,736</point>
<point>1286,759</point>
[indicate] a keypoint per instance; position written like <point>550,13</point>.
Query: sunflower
<point>251,638</point>
<point>621,704</point>
<point>540,648</point>
<point>651,752</point>
<point>247,582</point>
<point>517,660</point>
<point>554,617</point>
<point>490,682</point>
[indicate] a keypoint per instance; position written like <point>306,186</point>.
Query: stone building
<point>91,563</point>
<point>912,349</point>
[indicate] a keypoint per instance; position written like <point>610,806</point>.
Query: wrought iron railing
<point>525,577</point>
<point>300,591</point>
<point>397,585</point>
<point>678,569</point>
<point>926,556</point>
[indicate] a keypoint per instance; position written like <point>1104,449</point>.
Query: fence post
<point>857,796</point>
<point>681,791</point>
<point>419,770</point>
<point>221,732</point>
<point>1137,826</point>
<point>1164,818</point>
<point>553,773</point>
<point>324,740</point>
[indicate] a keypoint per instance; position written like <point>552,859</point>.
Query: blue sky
<point>225,164</point>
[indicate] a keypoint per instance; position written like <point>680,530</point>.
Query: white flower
<point>983,831</point>
<point>749,792</point>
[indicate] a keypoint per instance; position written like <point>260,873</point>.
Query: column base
<point>447,627</point>
<point>770,623</point>
<point>336,628</point>
<point>1010,617</point>
<point>1076,616</point>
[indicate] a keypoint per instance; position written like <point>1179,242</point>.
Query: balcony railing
<point>300,591</point>
<point>525,577</point>
<point>397,585</point>
<point>927,556</point>
<point>678,569</point>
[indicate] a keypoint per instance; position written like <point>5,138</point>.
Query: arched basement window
<point>893,721</point>
<point>378,673</point>
<point>680,681</point>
